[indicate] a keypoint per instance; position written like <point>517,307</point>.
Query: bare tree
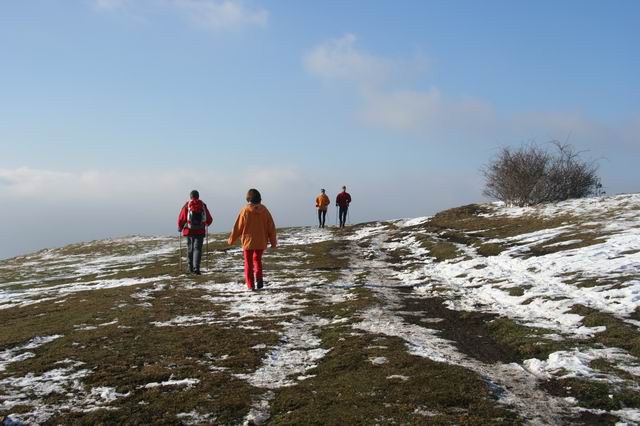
<point>533,175</point>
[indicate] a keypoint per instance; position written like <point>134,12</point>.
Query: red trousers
<point>252,266</point>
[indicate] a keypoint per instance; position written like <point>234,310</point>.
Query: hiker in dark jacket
<point>193,220</point>
<point>342,201</point>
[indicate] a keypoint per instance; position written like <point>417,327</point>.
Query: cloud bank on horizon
<point>119,108</point>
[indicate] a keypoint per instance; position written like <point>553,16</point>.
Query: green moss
<point>617,333</point>
<point>528,342</point>
<point>398,255</point>
<point>348,389</point>
<point>516,291</point>
<point>328,258</point>
<point>135,352</point>
<point>611,283</point>
<point>468,219</point>
<point>361,299</point>
<point>605,366</point>
<point>457,237</point>
<point>596,394</point>
<point>583,239</point>
<point>490,249</point>
<point>439,249</point>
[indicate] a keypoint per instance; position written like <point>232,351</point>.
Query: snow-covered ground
<point>548,290</point>
<point>549,281</point>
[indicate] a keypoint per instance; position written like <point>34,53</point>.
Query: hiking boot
<point>260,283</point>
<point>197,272</point>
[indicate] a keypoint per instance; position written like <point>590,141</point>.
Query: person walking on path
<point>322,204</point>
<point>193,221</point>
<point>342,201</point>
<point>255,228</point>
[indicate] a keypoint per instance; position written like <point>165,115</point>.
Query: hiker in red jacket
<point>193,220</point>
<point>342,201</point>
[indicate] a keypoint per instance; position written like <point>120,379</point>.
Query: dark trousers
<point>194,251</point>
<point>322,217</point>
<point>343,215</point>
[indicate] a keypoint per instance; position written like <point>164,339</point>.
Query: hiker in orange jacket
<point>322,204</point>
<point>255,228</point>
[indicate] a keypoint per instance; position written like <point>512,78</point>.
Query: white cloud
<point>122,187</point>
<point>426,111</point>
<point>338,59</point>
<point>377,82</point>
<point>109,5</point>
<point>222,15</point>
<point>218,15</point>
<point>387,103</point>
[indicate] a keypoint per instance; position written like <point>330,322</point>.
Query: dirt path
<point>431,330</point>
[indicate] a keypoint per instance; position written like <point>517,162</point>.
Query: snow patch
<point>12,355</point>
<point>575,363</point>
<point>259,413</point>
<point>189,321</point>
<point>172,382</point>
<point>379,360</point>
<point>398,377</point>
<point>297,353</point>
<point>195,418</point>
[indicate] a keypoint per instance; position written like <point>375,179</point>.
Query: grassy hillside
<point>479,315</point>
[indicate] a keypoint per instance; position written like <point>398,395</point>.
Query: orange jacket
<point>322,202</point>
<point>255,228</point>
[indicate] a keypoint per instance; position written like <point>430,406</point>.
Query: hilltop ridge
<point>481,314</point>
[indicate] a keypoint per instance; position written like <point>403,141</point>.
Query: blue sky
<point>113,110</point>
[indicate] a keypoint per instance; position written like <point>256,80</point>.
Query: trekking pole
<point>180,251</point>
<point>207,249</point>
<point>336,217</point>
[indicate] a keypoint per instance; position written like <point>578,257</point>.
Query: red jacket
<point>343,199</point>
<point>183,218</point>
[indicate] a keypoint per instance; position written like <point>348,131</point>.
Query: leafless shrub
<point>532,175</point>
